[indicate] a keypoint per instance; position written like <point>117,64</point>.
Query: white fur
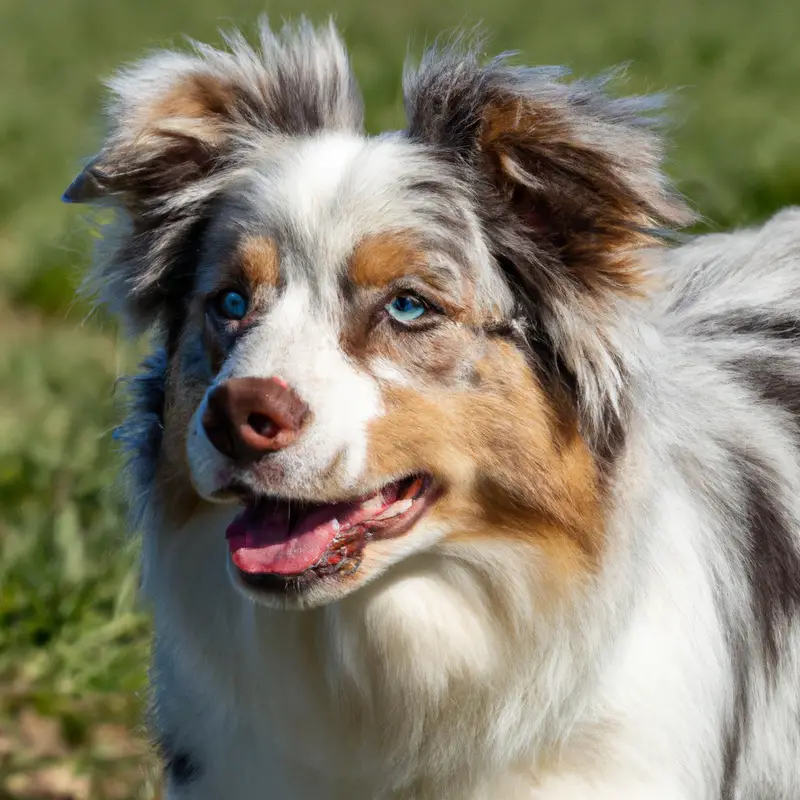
<point>295,344</point>
<point>391,373</point>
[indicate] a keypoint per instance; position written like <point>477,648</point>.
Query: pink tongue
<point>283,540</point>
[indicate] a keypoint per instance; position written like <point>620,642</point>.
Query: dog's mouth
<point>276,543</point>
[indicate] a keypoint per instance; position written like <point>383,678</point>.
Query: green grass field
<point>73,644</point>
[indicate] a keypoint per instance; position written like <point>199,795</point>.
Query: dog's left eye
<point>406,308</point>
<point>232,305</point>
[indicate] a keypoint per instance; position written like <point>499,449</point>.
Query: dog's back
<point>730,313</point>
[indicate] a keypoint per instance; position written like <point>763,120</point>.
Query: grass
<point>73,642</point>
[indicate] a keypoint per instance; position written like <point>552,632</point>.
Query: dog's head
<point>375,346</point>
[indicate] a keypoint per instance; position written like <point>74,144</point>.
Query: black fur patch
<point>777,388</point>
<point>756,324</point>
<point>738,725</point>
<point>773,327</point>
<point>182,769</point>
<point>141,433</point>
<point>776,380</point>
<point>772,560</point>
<point>180,765</point>
<point>180,281</point>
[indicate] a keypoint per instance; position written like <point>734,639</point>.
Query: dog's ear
<point>568,185</point>
<point>577,171</point>
<point>177,124</point>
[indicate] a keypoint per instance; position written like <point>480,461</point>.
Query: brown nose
<point>246,418</point>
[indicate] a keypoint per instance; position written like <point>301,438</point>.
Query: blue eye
<point>405,308</point>
<point>232,305</point>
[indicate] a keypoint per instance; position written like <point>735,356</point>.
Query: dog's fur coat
<point>605,601</point>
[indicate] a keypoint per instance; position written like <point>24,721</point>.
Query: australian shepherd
<point>458,479</point>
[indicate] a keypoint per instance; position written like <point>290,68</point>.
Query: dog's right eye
<point>231,305</point>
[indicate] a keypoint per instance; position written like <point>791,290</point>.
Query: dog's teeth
<point>400,507</point>
<point>374,503</point>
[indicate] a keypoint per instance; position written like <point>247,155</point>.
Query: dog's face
<point>345,371</point>
<point>375,346</point>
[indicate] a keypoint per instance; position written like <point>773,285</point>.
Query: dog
<point>457,478</point>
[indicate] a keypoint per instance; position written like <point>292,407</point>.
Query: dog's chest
<point>261,707</point>
<point>362,695</point>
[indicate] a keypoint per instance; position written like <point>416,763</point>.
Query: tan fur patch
<point>381,259</point>
<point>200,98</point>
<point>513,465</point>
<point>576,196</point>
<point>510,468</point>
<point>260,261</point>
<point>168,143</point>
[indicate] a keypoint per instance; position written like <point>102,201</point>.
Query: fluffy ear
<point>578,170</point>
<point>177,124</point>
<point>568,184</point>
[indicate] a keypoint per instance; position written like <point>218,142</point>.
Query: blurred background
<point>73,643</point>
